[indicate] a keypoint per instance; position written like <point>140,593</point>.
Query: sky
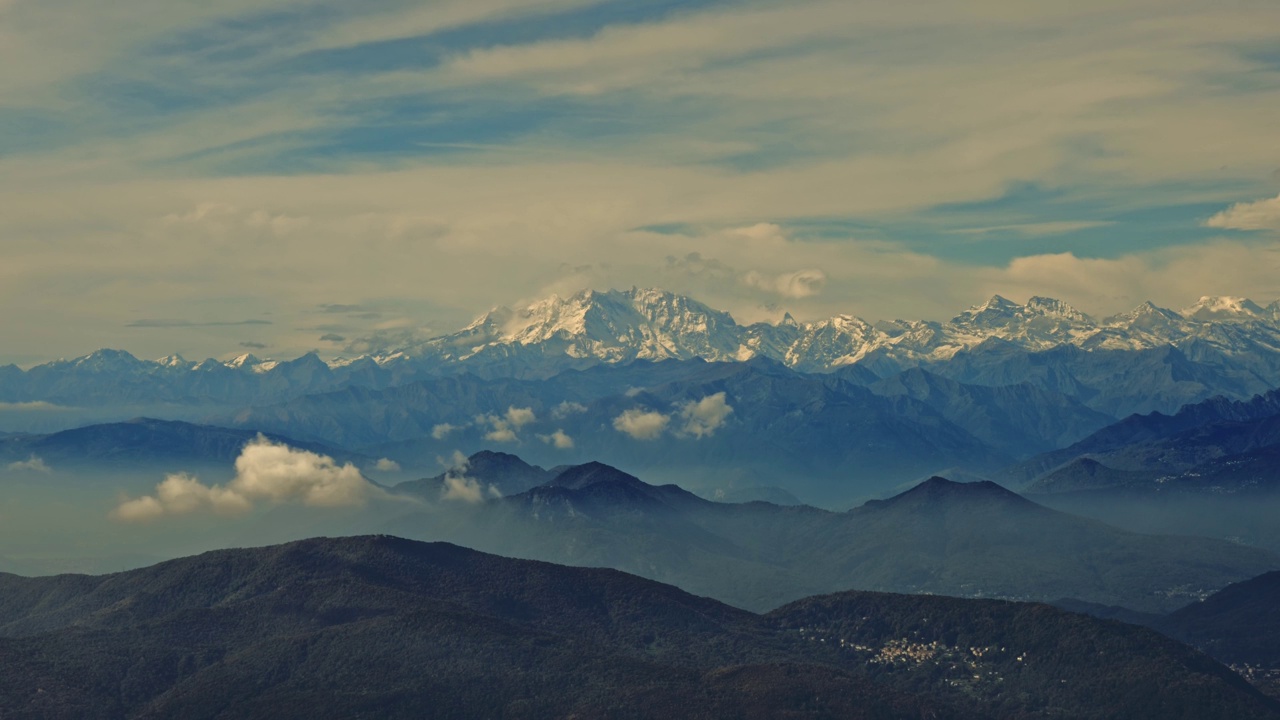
<point>278,176</point>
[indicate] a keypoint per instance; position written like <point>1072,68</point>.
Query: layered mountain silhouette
<point>379,626</point>
<point>966,539</point>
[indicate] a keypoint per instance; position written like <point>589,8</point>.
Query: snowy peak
<point>1211,308</point>
<point>249,362</point>
<point>1051,308</point>
<point>992,313</point>
<point>606,325</point>
<point>175,361</point>
<point>107,358</point>
<point>615,326</point>
<point>1040,324</point>
<point>618,326</point>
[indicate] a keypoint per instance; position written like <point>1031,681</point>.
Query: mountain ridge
<point>294,630</point>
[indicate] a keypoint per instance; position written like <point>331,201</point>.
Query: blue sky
<point>170,170</point>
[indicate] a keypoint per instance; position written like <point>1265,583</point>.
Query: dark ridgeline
<point>1239,625</point>
<point>941,537</point>
<point>378,626</point>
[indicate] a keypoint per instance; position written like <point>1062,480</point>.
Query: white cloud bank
<point>32,464</point>
<point>703,417</point>
<point>265,471</point>
<point>567,408</point>
<point>641,424</point>
<point>558,439</point>
<point>799,284</point>
<point>1258,215</point>
<point>460,488</point>
<point>504,428</point>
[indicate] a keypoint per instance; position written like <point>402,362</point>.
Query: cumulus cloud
<point>566,408</point>
<point>798,284</point>
<point>387,465</point>
<point>641,424</point>
<point>1258,215</point>
<point>695,265</point>
<point>703,417</point>
<point>265,471</point>
<point>460,488</point>
<point>31,464</point>
<point>501,431</point>
<point>519,417</point>
<point>443,430</point>
<point>503,428</point>
<point>558,439</point>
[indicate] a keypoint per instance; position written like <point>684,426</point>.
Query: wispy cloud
<point>31,464</point>
<point>179,323</point>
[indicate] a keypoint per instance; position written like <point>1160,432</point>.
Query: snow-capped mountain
<point>1218,345</point>
<point>608,326</point>
<point>617,326</point>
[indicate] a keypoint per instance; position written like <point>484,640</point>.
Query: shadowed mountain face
<point>144,443</point>
<point>974,539</point>
<point>1164,444</point>
<point>1212,469</point>
<point>505,472</point>
<point>1239,624</point>
<point>383,627</point>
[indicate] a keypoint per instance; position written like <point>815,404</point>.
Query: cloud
<point>389,336</point>
<point>703,417</point>
<point>460,488</point>
<point>178,323</point>
<point>641,424</point>
<point>695,265</point>
<point>798,284</point>
<point>519,417</point>
<point>387,465</point>
<point>338,309</point>
<point>558,439</point>
<point>503,429</point>
<point>253,345</point>
<point>1258,215</point>
<point>501,432</point>
<point>443,430</point>
<point>332,337</point>
<point>1035,230</point>
<point>567,408</point>
<point>32,406</point>
<point>31,464</point>
<point>716,116</point>
<point>265,471</point>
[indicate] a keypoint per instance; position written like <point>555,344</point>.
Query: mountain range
<point>943,537</point>
<point>385,627</point>
<point>1217,346</point>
